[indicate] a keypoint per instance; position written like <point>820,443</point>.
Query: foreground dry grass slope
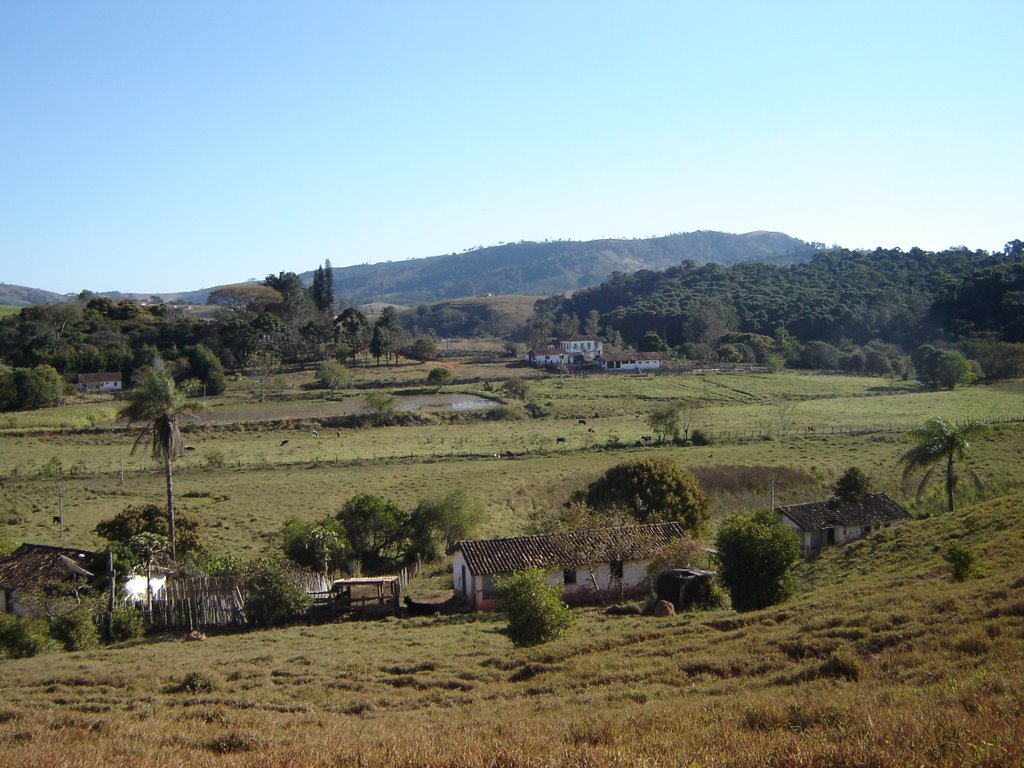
<point>881,660</point>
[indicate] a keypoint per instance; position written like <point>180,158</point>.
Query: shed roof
<point>872,509</point>
<point>31,566</point>
<point>563,550</point>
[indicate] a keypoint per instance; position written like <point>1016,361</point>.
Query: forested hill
<point>906,298</point>
<point>547,268</point>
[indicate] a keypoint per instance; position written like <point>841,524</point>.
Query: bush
<point>273,594</point>
<point>76,628</point>
<point>439,377</point>
<point>961,559</point>
<point>536,613</point>
<point>20,638</point>
<point>756,555</point>
<point>699,437</point>
<point>126,624</point>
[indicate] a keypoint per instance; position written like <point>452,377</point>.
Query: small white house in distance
<point>99,382</point>
<point>612,561</point>
<point>631,361</point>
<point>588,346</point>
<point>834,521</point>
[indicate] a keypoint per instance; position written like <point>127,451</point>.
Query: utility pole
<point>59,519</point>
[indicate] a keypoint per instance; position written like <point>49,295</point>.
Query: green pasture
<point>251,465</point>
<point>7,310</point>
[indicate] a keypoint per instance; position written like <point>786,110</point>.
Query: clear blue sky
<point>173,146</point>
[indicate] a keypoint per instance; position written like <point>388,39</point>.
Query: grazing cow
<point>315,433</point>
<point>591,430</point>
<point>638,414</point>
<point>582,421</point>
<point>190,447</point>
<point>810,428</point>
<point>284,442</point>
<point>559,439</point>
<point>646,438</point>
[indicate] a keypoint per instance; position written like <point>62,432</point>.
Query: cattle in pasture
<point>559,439</point>
<point>283,443</point>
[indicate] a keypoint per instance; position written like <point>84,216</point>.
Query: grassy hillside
<point>880,660</point>
<point>20,296</point>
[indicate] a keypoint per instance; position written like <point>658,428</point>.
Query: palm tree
<point>155,400</point>
<point>936,441</point>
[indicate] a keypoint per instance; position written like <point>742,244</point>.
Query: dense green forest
<point>937,315</point>
<point>886,300</point>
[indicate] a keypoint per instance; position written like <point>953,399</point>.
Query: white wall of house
<point>813,540</point>
<point>477,590</point>
<point>632,365</point>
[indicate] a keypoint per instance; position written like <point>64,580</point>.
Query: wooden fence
<point>197,603</point>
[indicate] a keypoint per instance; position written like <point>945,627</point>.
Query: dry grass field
<point>881,660</point>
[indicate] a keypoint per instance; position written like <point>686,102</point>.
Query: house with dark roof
<point>34,569</point>
<point>835,521</point>
<point>585,564</point>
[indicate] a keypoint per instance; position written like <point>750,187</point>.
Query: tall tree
<point>938,441</point>
<point>155,400</point>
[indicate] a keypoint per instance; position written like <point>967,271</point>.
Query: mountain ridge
<point>543,268</point>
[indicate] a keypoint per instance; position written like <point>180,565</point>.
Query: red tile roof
<point>564,550</point>
<point>31,566</point>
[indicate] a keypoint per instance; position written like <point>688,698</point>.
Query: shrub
<point>756,555</point>
<point>126,624</point>
<point>439,377</point>
<point>76,628</point>
<point>699,437</point>
<point>536,613</point>
<point>852,486</point>
<point>273,593</point>
<point>20,637</point>
<point>961,559</point>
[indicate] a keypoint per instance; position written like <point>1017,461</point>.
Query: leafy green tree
<point>650,491</point>
<point>423,348</point>
<point>439,377</point>
<point>937,442</point>
<point>319,545</point>
<point>756,556</point>
<point>516,388</point>
<point>351,329</point>
<point>207,367</point>
<point>149,518</point>
<point>853,485</point>
<point>438,522</point>
<point>331,375</point>
<point>952,369</point>
<point>261,365</point>
<point>244,296</point>
<point>155,400</point>
<point>380,404</point>
<point>665,421</point>
<point>652,342</point>
<point>377,529</point>
<point>535,611</point>
<point>387,336</point>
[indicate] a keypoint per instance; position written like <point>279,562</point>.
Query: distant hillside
<point>550,268</point>
<point>20,296</point>
<point>524,268</point>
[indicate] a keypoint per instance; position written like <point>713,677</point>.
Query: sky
<point>162,147</point>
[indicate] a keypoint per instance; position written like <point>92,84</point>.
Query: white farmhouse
<point>632,361</point>
<point>99,382</point>
<point>588,346</point>
<point>586,564</point>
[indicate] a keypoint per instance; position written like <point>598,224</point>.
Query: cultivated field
<point>240,481</point>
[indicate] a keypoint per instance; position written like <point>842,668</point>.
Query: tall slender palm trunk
<point>170,502</point>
